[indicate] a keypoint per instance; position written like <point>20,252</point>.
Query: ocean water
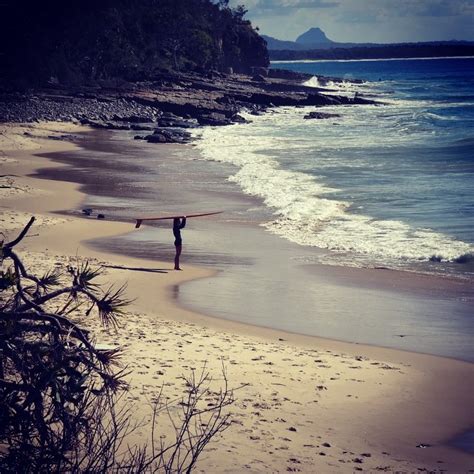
<point>389,185</point>
<point>379,186</point>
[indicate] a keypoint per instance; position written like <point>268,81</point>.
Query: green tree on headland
<point>79,42</point>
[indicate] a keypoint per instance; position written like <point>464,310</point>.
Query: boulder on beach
<point>168,136</point>
<point>237,118</point>
<point>178,122</point>
<point>320,115</point>
<point>214,119</point>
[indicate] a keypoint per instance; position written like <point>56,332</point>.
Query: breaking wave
<point>305,208</point>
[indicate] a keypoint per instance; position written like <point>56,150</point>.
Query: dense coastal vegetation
<point>78,42</point>
<point>314,44</point>
<point>148,66</point>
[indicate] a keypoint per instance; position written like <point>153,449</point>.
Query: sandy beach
<point>306,404</point>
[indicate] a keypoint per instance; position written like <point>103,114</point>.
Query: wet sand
<point>312,404</point>
<point>402,310</point>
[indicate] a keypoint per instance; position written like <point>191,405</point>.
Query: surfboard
<point>161,218</point>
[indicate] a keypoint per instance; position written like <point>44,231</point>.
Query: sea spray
<point>305,209</point>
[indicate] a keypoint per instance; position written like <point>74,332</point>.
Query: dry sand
<point>306,404</point>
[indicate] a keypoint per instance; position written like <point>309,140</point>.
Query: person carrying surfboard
<point>178,224</point>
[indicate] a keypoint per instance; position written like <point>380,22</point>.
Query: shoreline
<point>426,58</point>
<point>367,306</point>
<point>426,367</point>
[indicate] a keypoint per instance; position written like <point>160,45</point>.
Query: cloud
<point>365,20</point>
<point>282,7</point>
<point>367,10</point>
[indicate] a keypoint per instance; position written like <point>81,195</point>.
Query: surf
<point>306,210</point>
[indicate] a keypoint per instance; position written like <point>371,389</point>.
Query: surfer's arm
<point>183,222</point>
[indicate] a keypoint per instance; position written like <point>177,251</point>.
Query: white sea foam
<point>304,211</point>
<point>342,87</point>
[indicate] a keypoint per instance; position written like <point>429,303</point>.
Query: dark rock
<point>87,211</point>
<point>158,138</point>
<point>323,99</point>
<point>134,119</point>
<point>258,78</point>
<point>289,75</point>
<point>261,71</point>
<point>100,216</point>
<point>170,116</point>
<point>63,137</point>
<point>117,126</point>
<point>178,123</point>
<point>169,136</point>
<point>105,125</point>
<point>212,74</point>
<point>320,115</point>
<point>239,119</point>
<point>465,258</point>
<point>139,127</point>
<point>174,100</point>
<point>214,119</point>
<point>93,123</point>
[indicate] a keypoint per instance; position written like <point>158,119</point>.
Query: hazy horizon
<point>364,21</point>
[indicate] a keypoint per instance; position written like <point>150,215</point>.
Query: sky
<point>360,21</point>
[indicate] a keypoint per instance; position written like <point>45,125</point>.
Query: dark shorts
<point>178,242</point>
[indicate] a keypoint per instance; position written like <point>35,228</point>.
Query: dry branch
<point>60,402</point>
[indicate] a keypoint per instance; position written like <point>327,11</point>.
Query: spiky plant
<point>59,394</point>
<point>48,365</point>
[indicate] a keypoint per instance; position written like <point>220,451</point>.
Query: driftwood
<point>136,269</point>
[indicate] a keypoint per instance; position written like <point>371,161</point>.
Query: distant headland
<point>314,44</point>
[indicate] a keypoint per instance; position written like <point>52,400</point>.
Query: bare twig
<point>21,235</point>
<point>60,402</point>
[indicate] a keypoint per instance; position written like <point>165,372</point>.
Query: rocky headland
<point>163,110</point>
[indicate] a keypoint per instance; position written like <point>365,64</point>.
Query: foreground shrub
<point>61,408</point>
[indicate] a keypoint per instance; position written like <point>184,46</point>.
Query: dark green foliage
<point>87,41</point>
<point>242,46</point>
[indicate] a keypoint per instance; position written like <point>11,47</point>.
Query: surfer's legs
<point>178,248</point>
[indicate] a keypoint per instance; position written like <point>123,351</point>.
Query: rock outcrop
<point>320,115</point>
<point>171,104</point>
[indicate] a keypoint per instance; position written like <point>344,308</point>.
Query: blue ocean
<point>388,185</point>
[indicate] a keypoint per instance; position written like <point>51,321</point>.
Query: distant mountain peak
<point>313,36</point>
